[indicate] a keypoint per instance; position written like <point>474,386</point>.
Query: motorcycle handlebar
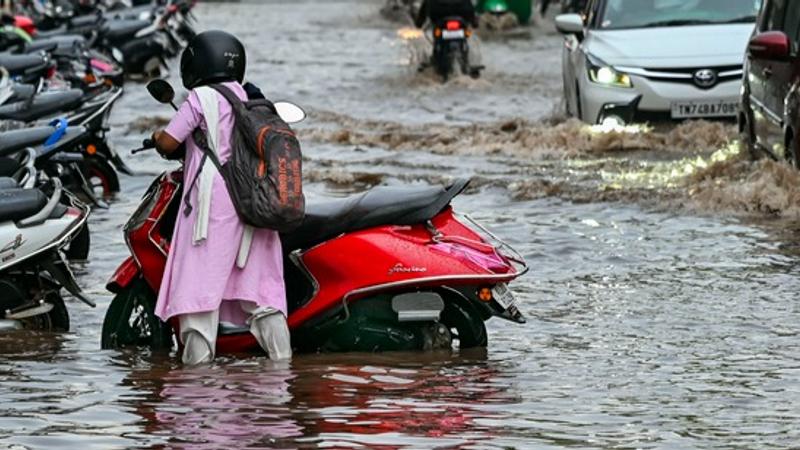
<point>147,144</point>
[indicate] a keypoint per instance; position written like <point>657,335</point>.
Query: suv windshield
<point>619,14</point>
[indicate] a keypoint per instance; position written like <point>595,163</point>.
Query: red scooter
<point>388,269</point>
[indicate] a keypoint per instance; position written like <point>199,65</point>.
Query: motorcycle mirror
<point>289,112</point>
<point>161,90</point>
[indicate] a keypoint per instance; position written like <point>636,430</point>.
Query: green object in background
<point>521,8</point>
<point>495,6</point>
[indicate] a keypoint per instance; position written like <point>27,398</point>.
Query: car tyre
<point>792,152</point>
<point>747,138</point>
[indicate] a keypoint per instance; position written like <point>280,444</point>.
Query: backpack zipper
<point>262,165</point>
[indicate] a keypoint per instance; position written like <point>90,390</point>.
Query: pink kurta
<point>198,278</point>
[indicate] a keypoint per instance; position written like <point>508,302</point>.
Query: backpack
<point>264,173</point>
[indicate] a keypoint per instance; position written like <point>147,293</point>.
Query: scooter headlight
<point>602,73</point>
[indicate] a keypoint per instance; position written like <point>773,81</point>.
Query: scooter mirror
<point>289,112</point>
<point>161,90</point>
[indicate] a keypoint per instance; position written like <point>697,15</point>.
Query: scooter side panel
<point>387,257</point>
<point>17,244</point>
<point>125,273</point>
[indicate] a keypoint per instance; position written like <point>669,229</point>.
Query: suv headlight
<point>602,73</point>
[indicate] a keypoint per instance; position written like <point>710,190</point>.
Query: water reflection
<point>382,401</point>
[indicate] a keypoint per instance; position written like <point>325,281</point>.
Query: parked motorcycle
<point>139,43</point>
<point>34,229</point>
<point>389,269</point>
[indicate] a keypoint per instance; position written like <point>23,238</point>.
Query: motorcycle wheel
<point>57,319</point>
<point>131,320</point>
<point>443,60</point>
<point>78,249</point>
<point>102,177</point>
<point>465,325</point>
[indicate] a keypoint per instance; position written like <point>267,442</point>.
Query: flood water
<point>662,306</point>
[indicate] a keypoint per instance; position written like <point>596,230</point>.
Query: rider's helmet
<point>212,57</point>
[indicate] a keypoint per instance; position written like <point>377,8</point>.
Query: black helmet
<point>212,56</point>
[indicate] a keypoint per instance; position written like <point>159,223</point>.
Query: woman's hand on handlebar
<point>165,144</point>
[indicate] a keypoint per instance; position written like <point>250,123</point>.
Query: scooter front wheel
<point>131,320</point>
<point>101,176</point>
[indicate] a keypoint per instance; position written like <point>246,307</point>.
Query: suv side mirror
<point>771,45</point>
<point>569,24</point>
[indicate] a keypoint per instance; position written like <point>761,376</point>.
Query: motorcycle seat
<point>19,64</point>
<point>134,12</point>
<point>16,140</point>
<point>8,166</point>
<point>86,20</point>
<point>18,204</point>
<point>21,92</point>
<point>118,30</point>
<point>42,105</point>
<point>8,183</point>
<point>53,32</point>
<point>55,42</point>
<point>378,206</point>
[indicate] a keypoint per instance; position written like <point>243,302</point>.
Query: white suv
<point>636,60</point>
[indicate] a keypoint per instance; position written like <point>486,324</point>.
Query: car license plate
<point>713,108</point>
<point>504,296</point>
<point>452,34</point>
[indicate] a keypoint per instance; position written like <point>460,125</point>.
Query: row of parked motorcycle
<point>62,67</point>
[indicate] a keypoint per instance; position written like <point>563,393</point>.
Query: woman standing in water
<point>218,269</point>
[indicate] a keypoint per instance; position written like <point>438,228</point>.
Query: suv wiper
<point>677,23</point>
<point>743,19</point>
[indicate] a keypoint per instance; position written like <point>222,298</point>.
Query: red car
<point>769,119</point>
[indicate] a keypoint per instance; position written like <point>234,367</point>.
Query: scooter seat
<point>15,140</point>
<point>19,64</point>
<point>21,92</point>
<point>43,105</point>
<point>18,204</point>
<point>55,42</point>
<point>46,34</point>
<point>86,20</point>
<point>8,183</point>
<point>378,206</point>
<point>119,30</point>
<point>135,12</point>
<point>8,166</point>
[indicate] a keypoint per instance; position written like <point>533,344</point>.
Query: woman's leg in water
<point>199,336</point>
<point>270,329</point>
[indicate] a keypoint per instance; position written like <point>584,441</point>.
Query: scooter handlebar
<point>147,144</point>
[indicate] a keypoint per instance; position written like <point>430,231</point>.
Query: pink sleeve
<point>187,118</point>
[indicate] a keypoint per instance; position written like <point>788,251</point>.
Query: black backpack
<point>264,174</point>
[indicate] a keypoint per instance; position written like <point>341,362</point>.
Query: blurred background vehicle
<point>572,6</point>
<point>636,60</point>
<point>769,117</point>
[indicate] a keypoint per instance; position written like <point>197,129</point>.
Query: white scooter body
<point>20,243</point>
<point>33,244</point>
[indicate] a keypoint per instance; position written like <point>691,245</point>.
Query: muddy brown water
<point>665,318</point>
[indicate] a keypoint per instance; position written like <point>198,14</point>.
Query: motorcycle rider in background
<point>436,10</point>
<point>218,270</point>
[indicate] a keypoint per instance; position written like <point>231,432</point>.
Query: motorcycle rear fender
<point>124,276</point>
<point>443,252</point>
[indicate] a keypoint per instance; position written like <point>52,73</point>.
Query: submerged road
<point>661,303</point>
